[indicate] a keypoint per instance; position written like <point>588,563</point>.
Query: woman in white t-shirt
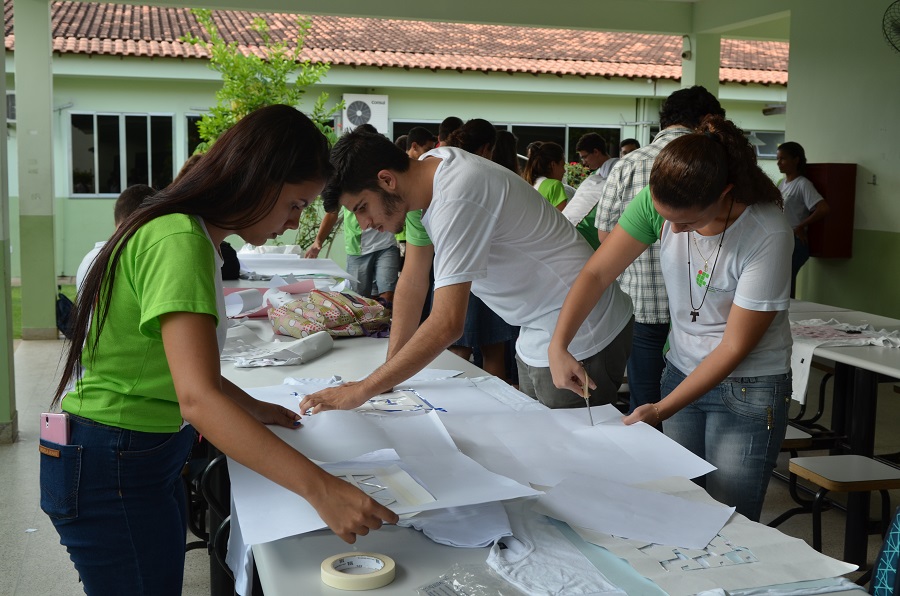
<point>802,202</point>
<point>725,251</point>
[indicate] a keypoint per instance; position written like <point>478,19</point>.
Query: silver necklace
<point>703,278</point>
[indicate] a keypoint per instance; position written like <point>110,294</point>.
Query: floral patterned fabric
<point>340,314</point>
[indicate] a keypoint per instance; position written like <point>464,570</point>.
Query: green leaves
<point>251,80</point>
<point>275,75</point>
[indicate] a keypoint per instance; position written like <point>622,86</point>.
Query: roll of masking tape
<point>358,571</point>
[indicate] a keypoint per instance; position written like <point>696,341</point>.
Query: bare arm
<point>820,211</point>
<point>601,270</point>
<point>602,235</point>
<point>743,331</point>
<point>190,344</point>
<point>440,330</point>
<point>328,221</point>
<point>409,297</point>
<point>264,412</point>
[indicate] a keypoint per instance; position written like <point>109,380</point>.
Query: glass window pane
<point>610,135</point>
<point>530,134</point>
<point>136,157</point>
<point>83,154</point>
<point>109,176</point>
<point>402,128</point>
<point>770,140</point>
<point>193,135</point>
<point>160,151</point>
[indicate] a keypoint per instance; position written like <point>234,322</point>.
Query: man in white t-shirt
<point>492,234</point>
<point>130,199</point>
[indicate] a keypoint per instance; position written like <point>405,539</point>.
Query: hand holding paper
<point>347,510</point>
<point>343,397</point>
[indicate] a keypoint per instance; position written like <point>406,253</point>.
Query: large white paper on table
<point>281,264</point>
<point>773,557</point>
<point>636,513</point>
<point>542,447</point>
<point>267,511</point>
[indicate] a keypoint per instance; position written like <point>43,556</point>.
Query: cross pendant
<point>694,315</point>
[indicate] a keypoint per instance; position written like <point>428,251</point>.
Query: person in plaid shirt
<point>643,281</point>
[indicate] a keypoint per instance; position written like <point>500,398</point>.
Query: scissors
<point>587,397</point>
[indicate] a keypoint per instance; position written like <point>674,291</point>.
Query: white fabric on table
<point>814,333</point>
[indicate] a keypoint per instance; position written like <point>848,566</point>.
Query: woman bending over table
<point>725,248</point>
<point>149,326</point>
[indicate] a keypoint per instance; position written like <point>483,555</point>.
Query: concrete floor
<point>33,563</point>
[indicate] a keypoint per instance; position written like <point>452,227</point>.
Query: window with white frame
<point>110,152</point>
<point>765,142</point>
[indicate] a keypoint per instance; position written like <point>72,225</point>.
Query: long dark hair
<point>796,151</point>
<point>694,169</point>
<point>473,135</point>
<point>504,152</point>
<point>540,157</point>
<point>235,185</point>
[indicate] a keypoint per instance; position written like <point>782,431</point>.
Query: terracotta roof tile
<point>124,30</point>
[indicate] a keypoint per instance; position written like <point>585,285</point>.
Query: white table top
<point>798,306</point>
<point>291,565</point>
<point>351,358</point>
<point>885,361</point>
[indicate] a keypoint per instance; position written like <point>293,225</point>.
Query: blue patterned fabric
<point>885,578</point>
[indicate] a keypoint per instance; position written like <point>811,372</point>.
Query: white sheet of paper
<point>506,444</point>
<point>433,374</point>
<point>267,511</point>
<point>636,513</point>
<point>281,264</point>
<point>780,558</point>
<point>244,301</point>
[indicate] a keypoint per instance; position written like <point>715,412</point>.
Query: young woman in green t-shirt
<point>148,329</point>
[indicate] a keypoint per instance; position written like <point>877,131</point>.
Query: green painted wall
<point>842,104</point>
<point>867,282</point>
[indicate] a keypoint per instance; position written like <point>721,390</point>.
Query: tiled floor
<point>32,562</point>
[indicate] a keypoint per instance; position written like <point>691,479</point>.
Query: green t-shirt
<point>640,218</point>
<point>167,266</point>
<point>553,191</point>
<point>588,230</point>
<point>352,233</point>
<point>415,231</point>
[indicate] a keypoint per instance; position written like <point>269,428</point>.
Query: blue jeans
<point>646,363</point>
<point>798,259</point>
<point>117,500</point>
<point>375,271</point>
<point>738,427</point>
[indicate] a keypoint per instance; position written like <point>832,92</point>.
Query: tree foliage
<point>276,75</point>
<point>251,81</point>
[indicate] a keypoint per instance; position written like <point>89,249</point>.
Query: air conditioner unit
<point>10,107</point>
<point>365,109</point>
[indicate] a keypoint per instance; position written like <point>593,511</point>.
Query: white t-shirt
<point>490,227</point>
<point>587,196</point>
<point>86,263</point>
<point>372,240</point>
<point>800,199</point>
<point>753,271</point>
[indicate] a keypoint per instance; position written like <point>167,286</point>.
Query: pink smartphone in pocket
<point>55,428</point>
